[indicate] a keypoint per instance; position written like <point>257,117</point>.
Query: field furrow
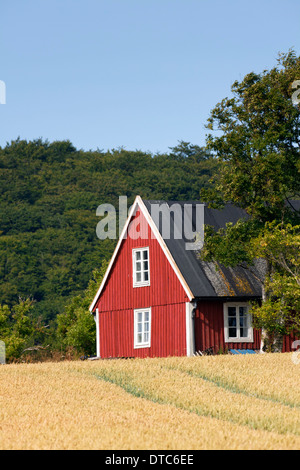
<point>272,377</point>
<point>160,384</point>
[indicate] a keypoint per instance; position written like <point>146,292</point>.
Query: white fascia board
<point>190,328</point>
<point>122,236</point>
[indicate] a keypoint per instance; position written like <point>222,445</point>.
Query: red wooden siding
<point>209,329</point>
<point>119,298</point>
<point>167,333</point>
<point>287,344</point>
<point>119,293</point>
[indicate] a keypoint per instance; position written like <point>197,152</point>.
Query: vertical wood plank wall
<point>165,296</point>
<point>209,329</point>
<point>287,344</point>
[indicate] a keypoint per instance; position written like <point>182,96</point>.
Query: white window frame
<point>134,272</point>
<point>142,344</point>
<point>238,338</point>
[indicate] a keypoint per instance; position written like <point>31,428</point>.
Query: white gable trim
<point>165,249</point>
<point>139,203</point>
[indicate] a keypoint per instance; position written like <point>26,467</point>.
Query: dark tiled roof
<point>203,278</point>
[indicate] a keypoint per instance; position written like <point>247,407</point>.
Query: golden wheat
<point>157,381</point>
<point>271,376</point>
<point>150,404</point>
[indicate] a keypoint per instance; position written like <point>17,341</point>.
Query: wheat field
<point>212,402</point>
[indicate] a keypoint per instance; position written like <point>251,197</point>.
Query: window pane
<point>138,266</point>
<point>145,265</point>
<point>140,317</point>
<point>146,337</point>
<point>243,311</point>
<point>243,322</point>
<point>243,332</point>
<point>231,311</point>
<point>146,317</point>
<point>138,277</point>
<point>140,327</point>
<point>232,332</point>
<point>145,254</point>
<point>139,337</point>
<point>146,277</point>
<point>137,255</point>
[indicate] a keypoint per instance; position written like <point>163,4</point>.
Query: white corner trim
<point>190,331</point>
<point>139,203</point>
<point>97,333</point>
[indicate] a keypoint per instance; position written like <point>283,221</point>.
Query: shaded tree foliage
<point>259,145</point>
<point>258,149</point>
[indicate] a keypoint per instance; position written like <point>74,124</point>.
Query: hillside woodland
<point>49,250</point>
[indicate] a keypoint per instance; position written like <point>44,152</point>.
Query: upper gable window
<point>141,268</point>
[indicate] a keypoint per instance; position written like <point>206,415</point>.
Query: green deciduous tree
<point>259,145</point>
<point>258,149</point>
<point>19,329</point>
<point>76,326</point>
<point>280,312</point>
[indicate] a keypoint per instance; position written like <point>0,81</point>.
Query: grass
<point>213,402</point>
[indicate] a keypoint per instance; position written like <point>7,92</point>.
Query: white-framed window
<point>237,323</point>
<point>141,267</point>
<point>142,328</point>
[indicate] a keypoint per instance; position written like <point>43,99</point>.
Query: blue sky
<point>141,74</point>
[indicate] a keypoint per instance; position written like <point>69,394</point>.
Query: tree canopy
<point>258,142</point>
<point>258,149</point>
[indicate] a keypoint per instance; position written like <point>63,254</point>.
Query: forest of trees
<point>49,195</point>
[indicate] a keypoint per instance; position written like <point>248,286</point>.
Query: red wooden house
<point>159,299</point>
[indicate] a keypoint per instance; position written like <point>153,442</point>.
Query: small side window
<point>142,328</point>
<point>237,323</point>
